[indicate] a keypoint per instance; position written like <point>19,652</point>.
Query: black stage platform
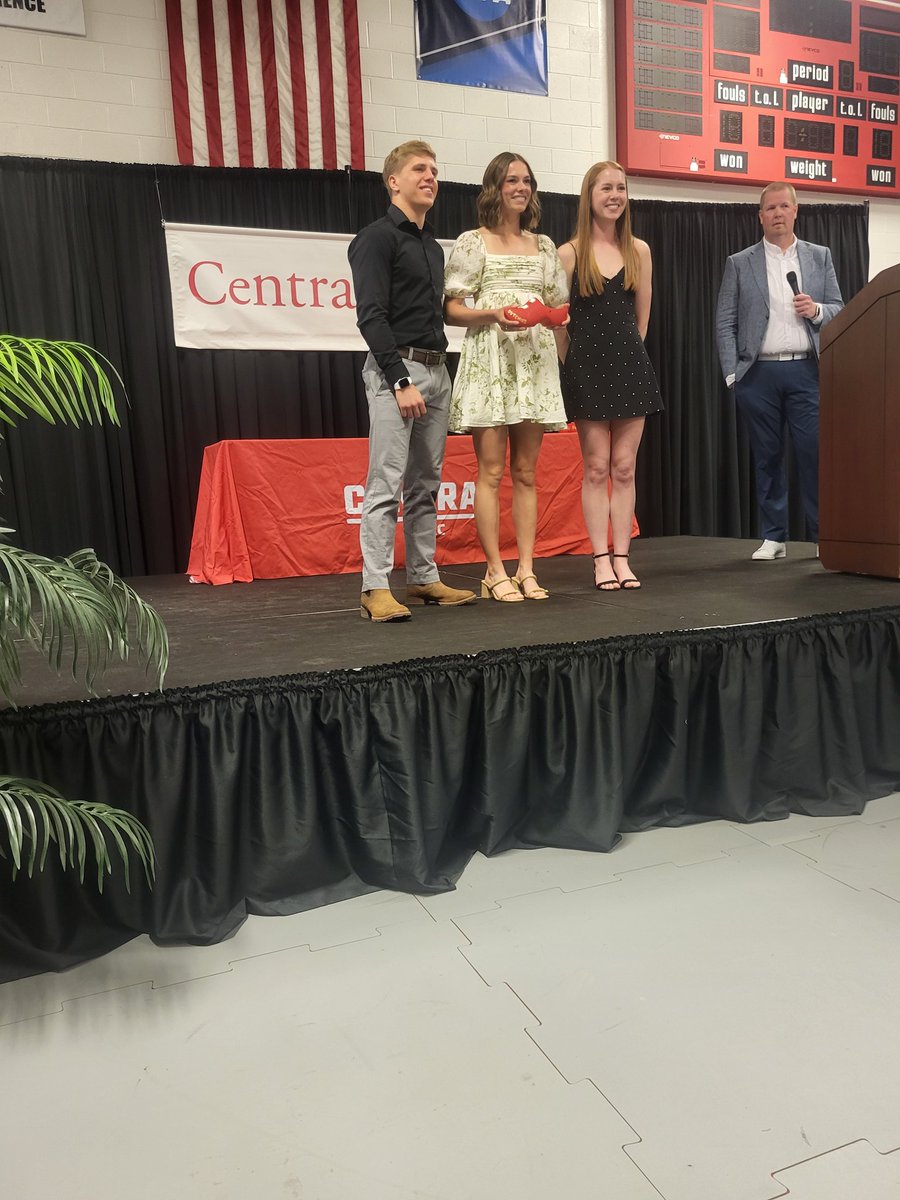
<point>286,626</point>
<point>299,754</point>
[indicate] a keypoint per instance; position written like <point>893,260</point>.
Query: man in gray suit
<point>775,298</point>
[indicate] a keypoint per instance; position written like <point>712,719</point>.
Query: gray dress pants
<point>405,459</point>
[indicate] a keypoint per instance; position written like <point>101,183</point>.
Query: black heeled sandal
<point>606,585</point>
<point>630,584</point>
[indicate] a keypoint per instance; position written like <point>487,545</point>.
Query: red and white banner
<point>263,289</point>
<point>260,289</point>
<point>266,83</point>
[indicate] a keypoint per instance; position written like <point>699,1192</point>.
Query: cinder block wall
<point>106,97</point>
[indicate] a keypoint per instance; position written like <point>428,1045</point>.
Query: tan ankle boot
<point>438,593</point>
<point>378,604</point>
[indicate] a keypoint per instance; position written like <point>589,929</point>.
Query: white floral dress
<point>504,378</point>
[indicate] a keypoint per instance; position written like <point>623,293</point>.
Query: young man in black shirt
<point>398,276</point>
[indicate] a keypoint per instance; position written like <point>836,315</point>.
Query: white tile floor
<point>707,1013</point>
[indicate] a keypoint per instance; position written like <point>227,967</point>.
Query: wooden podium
<point>859,439</point>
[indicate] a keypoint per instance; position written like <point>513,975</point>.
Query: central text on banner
<point>263,289</point>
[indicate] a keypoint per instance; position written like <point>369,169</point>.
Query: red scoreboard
<point>749,91</point>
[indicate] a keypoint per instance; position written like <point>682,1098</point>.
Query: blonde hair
<point>490,203</point>
<point>777,187</point>
<point>400,155</point>
<point>590,277</point>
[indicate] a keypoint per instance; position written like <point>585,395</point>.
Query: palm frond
<point>34,815</point>
<point>57,380</point>
<point>72,604</point>
<point>78,605</point>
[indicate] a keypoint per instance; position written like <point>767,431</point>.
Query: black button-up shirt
<point>398,277</point>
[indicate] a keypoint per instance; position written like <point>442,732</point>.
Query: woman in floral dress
<point>507,389</point>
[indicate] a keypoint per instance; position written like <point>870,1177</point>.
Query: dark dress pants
<point>770,396</point>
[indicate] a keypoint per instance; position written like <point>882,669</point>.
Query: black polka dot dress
<point>607,374</point>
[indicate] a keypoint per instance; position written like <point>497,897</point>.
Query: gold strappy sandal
<point>489,591</point>
<point>537,593</point>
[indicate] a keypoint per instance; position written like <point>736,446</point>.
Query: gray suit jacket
<point>742,313</point>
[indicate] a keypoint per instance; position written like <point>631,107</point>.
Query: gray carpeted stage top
<point>289,626</point>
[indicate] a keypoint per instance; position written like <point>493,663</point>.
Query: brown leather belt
<point>428,358</point>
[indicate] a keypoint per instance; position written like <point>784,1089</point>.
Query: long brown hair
<point>590,277</point>
<point>489,199</point>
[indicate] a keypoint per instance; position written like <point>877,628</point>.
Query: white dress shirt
<point>786,332</point>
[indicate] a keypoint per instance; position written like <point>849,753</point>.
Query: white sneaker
<point>769,550</point>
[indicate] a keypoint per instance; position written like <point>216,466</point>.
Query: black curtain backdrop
<point>82,256</point>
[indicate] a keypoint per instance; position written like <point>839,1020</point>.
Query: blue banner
<point>483,43</point>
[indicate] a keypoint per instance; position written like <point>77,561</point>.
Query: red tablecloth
<point>270,509</point>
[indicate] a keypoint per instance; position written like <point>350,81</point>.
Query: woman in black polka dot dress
<point>608,382</point>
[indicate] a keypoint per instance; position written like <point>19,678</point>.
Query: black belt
<point>784,356</point>
<point>428,358</point>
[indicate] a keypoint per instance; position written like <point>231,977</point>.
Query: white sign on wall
<point>44,16</point>
<point>263,289</point>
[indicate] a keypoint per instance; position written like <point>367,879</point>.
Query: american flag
<point>266,83</point>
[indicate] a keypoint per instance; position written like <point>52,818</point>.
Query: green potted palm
<point>73,607</point>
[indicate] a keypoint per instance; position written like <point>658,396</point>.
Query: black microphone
<point>791,277</point>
